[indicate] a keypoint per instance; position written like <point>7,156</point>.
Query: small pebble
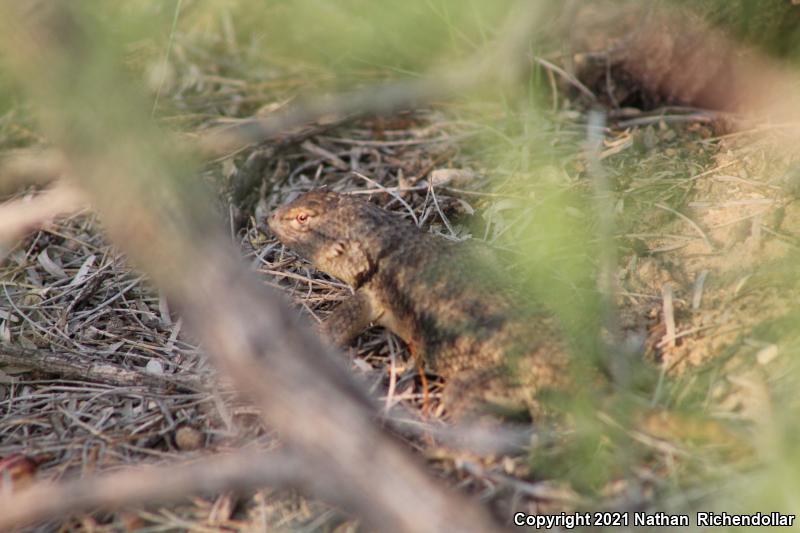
<point>154,367</point>
<point>187,439</point>
<point>767,354</point>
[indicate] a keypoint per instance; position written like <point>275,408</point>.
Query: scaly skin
<point>443,299</point>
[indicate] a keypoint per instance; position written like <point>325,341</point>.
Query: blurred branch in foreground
<point>22,215</point>
<point>24,167</point>
<point>150,484</point>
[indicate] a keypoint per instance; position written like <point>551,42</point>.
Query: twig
<point>673,119</point>
<point>424,187</point>
<point>22,215</point>
<point>474,438</point>
<point>697,296</point>
<point>152,484</point>
<point>391,193</point>
<point>669,315</point>
<point>332,158</point>
<point>685,333</point>
<point>691,223</point>
<point>83,367</point>
<point>439,209</point>
<point>567,76</point>
<point>607,256</point>
<point>543,490</point>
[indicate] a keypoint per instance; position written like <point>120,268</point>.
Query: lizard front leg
<point>349,318</point>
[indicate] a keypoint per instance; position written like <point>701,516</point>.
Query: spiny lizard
<point>444,299</point>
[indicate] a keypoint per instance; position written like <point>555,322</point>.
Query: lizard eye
<point>301,218</point>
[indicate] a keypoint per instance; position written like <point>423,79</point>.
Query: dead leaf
<point>50,266</point>
<point>83,271</point>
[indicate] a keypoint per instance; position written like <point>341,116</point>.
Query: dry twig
<point>79,366</point>
<point>152,484</point>
<point>24,214</point>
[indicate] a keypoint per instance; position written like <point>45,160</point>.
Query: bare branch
<point>77,366</point>
<point>152,484</point>
<point>25,214</point>
<point>30,166</point>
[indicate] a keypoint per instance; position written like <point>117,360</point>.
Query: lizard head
<point>340,234</point>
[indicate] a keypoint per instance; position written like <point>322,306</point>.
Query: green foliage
<point>406,38</point>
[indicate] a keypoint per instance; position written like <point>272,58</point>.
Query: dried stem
<point>21,215</point>
<point>78,366</point>
<point>151,484</point>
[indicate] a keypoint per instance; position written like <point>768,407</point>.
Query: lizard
<point>444,299</point>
